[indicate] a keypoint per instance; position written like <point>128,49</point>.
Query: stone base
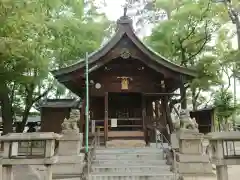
<point>192,158</point>
<point>69,148</point>
<point>71,159</point>
<point>70,144</point>
<point>198,177</point>
<point>67,169</point>
<point>71,135</point>
<point>126,143</point>
<point>190,142</point>
<point>194,168</point>
<point>69,165</point>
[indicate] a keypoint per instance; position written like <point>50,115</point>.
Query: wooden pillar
<point>164,106</point>
<point>149,106</point>
<point>168,115</point>
<point>106,118</point>
<point>165,118</point>
<point>143,118</point>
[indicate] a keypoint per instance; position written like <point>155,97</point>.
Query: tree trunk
<point>7,115</point>
<point>24,118</point>
<point>194,100</point>
<point>28,105</point>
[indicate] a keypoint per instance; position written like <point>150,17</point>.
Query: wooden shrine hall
<point>125,79</point>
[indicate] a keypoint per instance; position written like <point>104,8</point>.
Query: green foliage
<point>36,36</point>
<point>223,101</point>
<point>187,38</point>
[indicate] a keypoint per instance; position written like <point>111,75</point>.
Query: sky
<point>114,10</point>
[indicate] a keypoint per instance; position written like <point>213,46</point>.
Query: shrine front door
<point>125,116</point>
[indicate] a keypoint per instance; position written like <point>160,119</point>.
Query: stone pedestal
<point>191,163</point>
<point>70,143</point>
<point>70,160</point>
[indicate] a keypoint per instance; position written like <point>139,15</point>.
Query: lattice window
<point>28,149</point>
<point>231,149</point>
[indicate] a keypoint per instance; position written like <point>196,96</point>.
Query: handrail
<point>162,137</point>
<point>90,156</point>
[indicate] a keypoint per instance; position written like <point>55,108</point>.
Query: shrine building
<point>125,78</point>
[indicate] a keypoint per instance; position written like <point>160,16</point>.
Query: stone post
<point>225,151</point>
<point>7,173</point>
<point>70,159</point>
<point>221,169</point>
<point>192,164</point>
<point>222,172</point>
<point>48,172</point>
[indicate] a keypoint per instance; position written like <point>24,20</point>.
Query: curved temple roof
<point>124,27</point>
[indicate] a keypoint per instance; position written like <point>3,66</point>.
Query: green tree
<point>35,37</point>
<point>223,101</point>
<point>185,38</point>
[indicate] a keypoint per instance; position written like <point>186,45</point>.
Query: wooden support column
<point>106,118</point>
<point>168,114</point>
<point>164,106</point>
<point>143,117</point>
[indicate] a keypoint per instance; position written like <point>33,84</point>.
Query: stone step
<point>130,168</point>
<point>127,150</point>
<point>126,162</point>
<point>131,176</point>
<point>159,151</point>
<point>135,156</point>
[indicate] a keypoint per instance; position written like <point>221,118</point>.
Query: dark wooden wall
<point>143,79</point>
<point>205,120</point>
<point>52,118</point>
<point>97,108</point>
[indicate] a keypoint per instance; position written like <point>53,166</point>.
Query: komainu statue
<point>186,122</point>
<point>71,123</point>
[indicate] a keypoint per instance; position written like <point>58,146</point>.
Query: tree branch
<point>193,27</point>
<point>197,95</point>
<point>228,76</point>
<point>206,38</point>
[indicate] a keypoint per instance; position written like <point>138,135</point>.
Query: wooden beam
<point>161,94</point>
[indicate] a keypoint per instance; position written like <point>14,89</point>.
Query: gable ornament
<point>125,53</point>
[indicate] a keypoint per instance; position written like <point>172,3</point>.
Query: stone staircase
<point>145,163</point>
